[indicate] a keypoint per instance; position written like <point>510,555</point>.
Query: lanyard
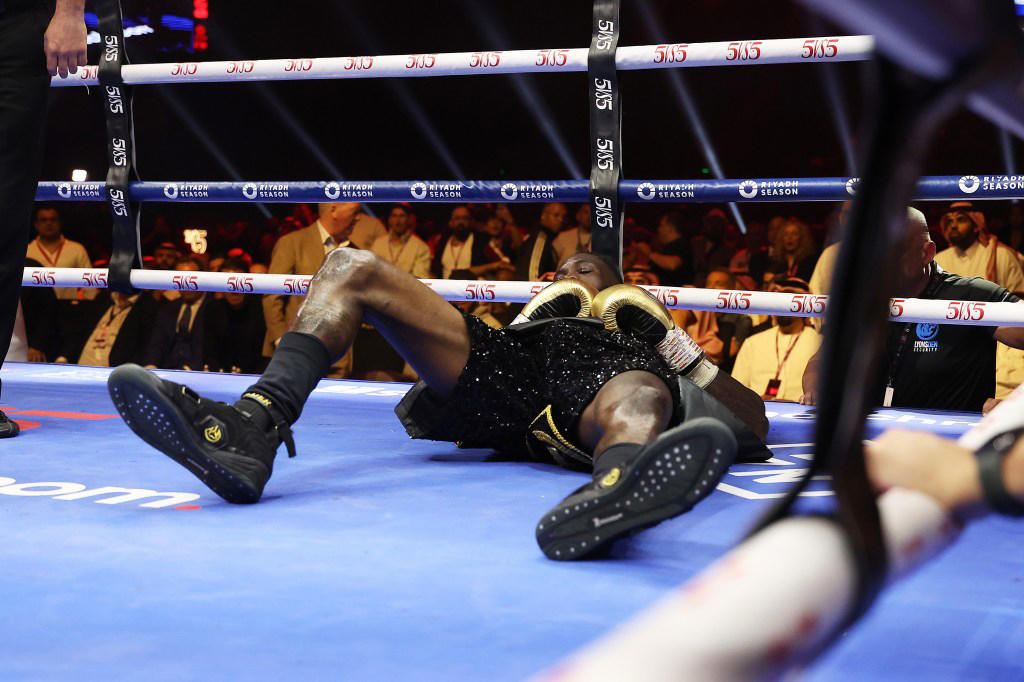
<point>457,254</point>
<point>901,348</point>
<point>391,254</point>
<point>103,328</point>
<point>778,370</point>
<point>46,254</point>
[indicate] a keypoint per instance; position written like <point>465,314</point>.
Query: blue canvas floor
<point>375,557</point>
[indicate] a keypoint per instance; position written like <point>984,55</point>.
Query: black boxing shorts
<point>539,371</point>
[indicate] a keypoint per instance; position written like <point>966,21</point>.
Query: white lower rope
<point>977,313</point>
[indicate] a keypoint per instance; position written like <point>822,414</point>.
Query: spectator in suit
<point>401,246</point>
<point>575,240</point>
<point>366,229</point>
<point>178,335</point>
<point>300,253</point>
<point>464,249</point>
<point>235,329</point>
<point>499,247</point>
<point>537,254</point>
<point>118,334</point>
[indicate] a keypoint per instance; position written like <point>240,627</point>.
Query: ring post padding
<point>605,133</point>
<point>126,251</point>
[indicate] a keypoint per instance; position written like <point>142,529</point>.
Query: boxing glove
<point>567,297</point>
<point>630,309</point>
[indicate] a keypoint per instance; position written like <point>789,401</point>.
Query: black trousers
<point>24,86</point>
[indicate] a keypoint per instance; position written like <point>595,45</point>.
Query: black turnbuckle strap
<point>126,250</point>
<point>605,133</point>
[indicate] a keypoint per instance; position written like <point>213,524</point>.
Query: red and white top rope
<point>666,56</point>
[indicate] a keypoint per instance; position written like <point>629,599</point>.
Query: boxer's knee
<point>633,406</point>
<point>349,272</point>
<point>646,396</point>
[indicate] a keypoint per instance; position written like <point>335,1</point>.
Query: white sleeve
<point>742,370</point>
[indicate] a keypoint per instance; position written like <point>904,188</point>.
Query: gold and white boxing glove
<point>630,309</point>
<point>567,297</point>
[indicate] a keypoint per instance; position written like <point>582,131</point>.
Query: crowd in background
<point>684,246</point>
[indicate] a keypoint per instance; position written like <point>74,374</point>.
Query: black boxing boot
<point>220,444</point>
<point>636,487</point>
<point>8,427</point>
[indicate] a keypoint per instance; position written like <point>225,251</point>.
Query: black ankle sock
<point>299,363</point>
<point>615,456</point>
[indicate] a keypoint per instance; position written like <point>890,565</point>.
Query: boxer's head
<point>590,268</point>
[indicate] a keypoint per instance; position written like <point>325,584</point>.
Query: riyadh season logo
<point>646,191</point>
<point>748,189</point>
<point>249,190</point>
<point>171,190</point>
<point>349,190</point>
<point>509,191</point>
<point>851,186</point>
<point>418,190</point>
<point>969,184</point>
<point>80,190</point>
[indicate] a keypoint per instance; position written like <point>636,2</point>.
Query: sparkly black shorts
<point>514,373</point>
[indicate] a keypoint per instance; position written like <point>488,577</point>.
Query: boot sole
<point>676,471</point>
<point>147,409</point>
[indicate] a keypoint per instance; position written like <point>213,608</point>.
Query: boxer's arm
<point>1011,336</point>
<point>743,402</point>
<point>810,380</point>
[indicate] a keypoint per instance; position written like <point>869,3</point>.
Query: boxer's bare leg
<point>643,472</point>
<point>352,286</point>
<point>632,407</point>
<point>232,448</point>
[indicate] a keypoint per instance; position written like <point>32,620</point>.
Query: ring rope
<point>558,60</point>
<point>929,188</point>
<point>924,311</point>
